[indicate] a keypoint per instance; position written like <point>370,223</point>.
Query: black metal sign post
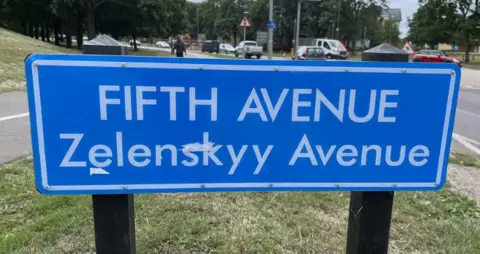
<point>370,213</point>
<point>114,220</point>
<point>113,215</point>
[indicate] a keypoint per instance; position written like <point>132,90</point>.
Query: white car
<point>227,48</point>
<point>248,49</point>
<point>136,42</point>
<point>162,44</point>
<point>333,49</point>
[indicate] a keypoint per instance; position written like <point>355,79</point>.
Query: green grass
<point>473,65</point>
<point>13,50</point>
<point>229,56</point>
<point>148,52</point>
<point>15,47</point>
<point>423,222</point>
<point>465,159</point>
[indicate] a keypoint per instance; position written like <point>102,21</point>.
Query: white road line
<point>470,140</point>
<point>5,118</point>
<point>468,113</point>
<point>467,142</point>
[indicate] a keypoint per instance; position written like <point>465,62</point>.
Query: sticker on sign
<point>119,124</point>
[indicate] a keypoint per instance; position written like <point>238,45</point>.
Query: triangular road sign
<point>245,22</point>
<point>408,48</point>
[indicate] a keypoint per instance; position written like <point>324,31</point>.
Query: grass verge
<point>473,65</point>
<point>13,50</point>
<point>15,47</point>
<point>423,222</point>
<point>464,159</point>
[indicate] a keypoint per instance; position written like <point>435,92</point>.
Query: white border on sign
<point>41,141</point>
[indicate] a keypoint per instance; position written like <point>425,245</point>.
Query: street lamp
<point>297,30</point>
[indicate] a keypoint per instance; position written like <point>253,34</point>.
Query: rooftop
<point>395,14</point>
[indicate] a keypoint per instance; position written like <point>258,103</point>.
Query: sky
<point>408,7</point>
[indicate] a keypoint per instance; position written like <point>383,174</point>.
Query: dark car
<point>310,53</point>
<point>211,46</point>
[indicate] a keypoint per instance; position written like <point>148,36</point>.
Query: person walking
<point>179,47</point>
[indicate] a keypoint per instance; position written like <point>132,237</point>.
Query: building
<point>395,14</point>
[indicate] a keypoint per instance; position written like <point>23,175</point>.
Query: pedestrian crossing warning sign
<point>245,22</point>
<point>408,48</point>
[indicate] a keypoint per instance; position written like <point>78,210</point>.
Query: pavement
<point>15,126</point>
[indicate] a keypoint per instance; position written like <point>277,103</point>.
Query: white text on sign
<point>305,105</point>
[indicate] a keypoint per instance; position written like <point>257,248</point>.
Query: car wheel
<point>329,56</point>
<point>203,51</point>
<point>416,60</point>
<point>259,56</point>
<point>236,54</point>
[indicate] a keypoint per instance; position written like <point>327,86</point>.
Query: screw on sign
<point>143,128</point>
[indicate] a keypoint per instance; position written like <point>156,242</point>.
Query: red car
<point>435,56</point>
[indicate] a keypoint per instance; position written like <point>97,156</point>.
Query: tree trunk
<point>43,32</point>
<point>79,31</point>
<point>234,36</point>
<point>24,28</point>
<point>56,31</point>
<point>30,29</point>
<point>134,35</point>
<point>36,32</point>
<point>47,31</point>
<point>91,24</point>
<point>68,33</point>
<point>467,48</point>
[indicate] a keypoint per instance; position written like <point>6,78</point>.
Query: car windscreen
<point>228,46</point>
<point>336,45</point>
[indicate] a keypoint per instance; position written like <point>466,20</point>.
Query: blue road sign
<point>120,124</point>
<point>272,25</point>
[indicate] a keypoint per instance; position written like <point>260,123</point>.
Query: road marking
<point>470,87</point>
<point>468,113</point>
<point>5,118</point>
<point>467,142</point>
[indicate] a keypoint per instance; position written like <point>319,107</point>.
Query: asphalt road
<point>15,127</point>
<point>467,121</point>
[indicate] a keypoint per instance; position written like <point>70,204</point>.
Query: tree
<point>434,22</point>
<point>446,21</point>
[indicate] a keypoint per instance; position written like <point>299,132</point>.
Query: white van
<point>333,49</point>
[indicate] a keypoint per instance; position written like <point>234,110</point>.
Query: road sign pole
<point>370,213</point>
<point>270,29</point>
<point>369,222</point>
<point>113,215</point>
<point>114,220</point>
<point>244,33</point>
<point>297,29</point>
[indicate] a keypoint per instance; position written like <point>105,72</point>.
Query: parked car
<point>136,42</point>
<point>211,46</point>
<point>162,44</point>
<point>227,48</point>
<point>435,56</point>
<point>310,53</point>
<point>249,49</point>
<point>333,49</point>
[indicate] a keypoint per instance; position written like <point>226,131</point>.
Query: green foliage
<point>342,19</point>
<point>446,21</point>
